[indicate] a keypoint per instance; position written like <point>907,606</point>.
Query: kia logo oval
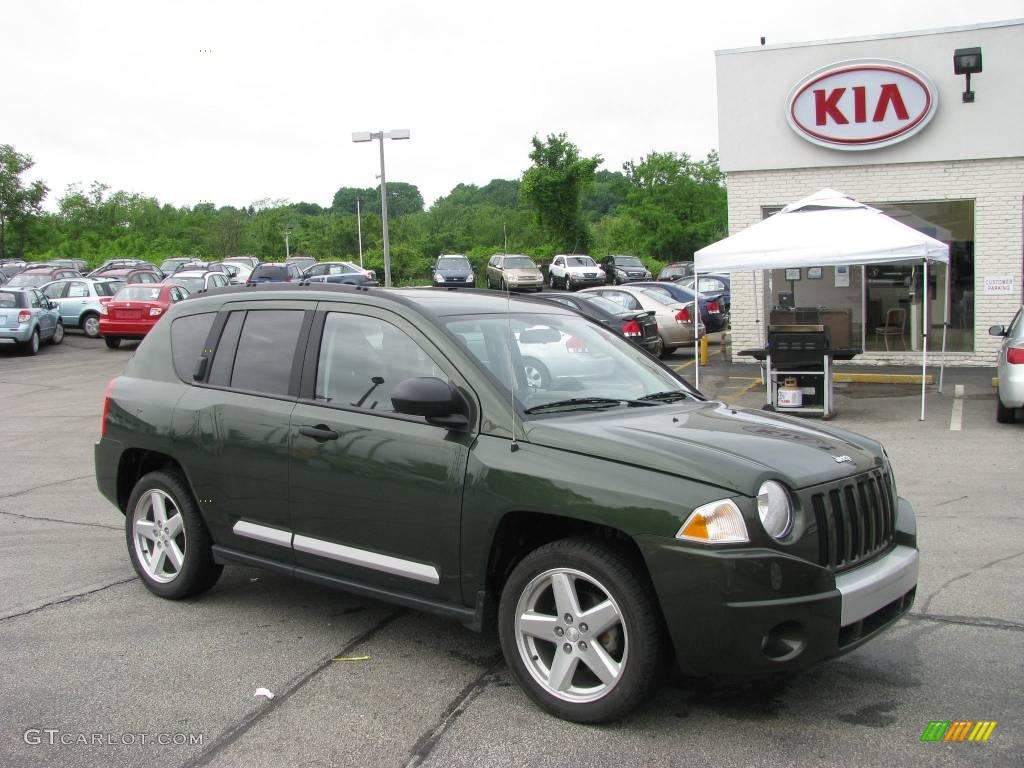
<point>861,104</point>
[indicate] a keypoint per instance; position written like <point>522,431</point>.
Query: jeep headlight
<point>719,522</point>
<point>775,509</point>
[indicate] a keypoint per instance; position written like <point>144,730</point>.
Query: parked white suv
<point>574,271</point>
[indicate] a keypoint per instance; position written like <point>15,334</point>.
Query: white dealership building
<point>889,121</point>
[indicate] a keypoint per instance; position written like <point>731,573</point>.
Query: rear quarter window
<point>188,335</point>
<point>266,348</point>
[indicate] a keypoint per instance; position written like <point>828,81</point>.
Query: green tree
<point>18,202</point>
<point>553,188</point>
<point>345,199</point>
<point>674,206</point>
<point>403,199</point>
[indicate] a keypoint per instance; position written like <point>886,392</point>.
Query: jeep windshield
<point>562,363</point>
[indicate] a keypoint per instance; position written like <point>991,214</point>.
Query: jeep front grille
<point>855,518</point>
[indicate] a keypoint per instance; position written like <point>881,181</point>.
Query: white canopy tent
<point>827,228</point>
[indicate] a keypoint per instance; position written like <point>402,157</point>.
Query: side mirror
<point>997,330</point>
<point>438,401</point>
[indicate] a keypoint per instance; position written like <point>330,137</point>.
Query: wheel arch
<point>520,532</point>
<point>137,462</point>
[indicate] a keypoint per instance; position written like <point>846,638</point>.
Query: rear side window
<point>266,348</point>
<point>188,334</point>
<point>10,300</point>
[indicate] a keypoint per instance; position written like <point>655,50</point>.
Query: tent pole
<point>924,339</point>
<point>767,368</point>
<point>696,321</point>
<point>945,325</point>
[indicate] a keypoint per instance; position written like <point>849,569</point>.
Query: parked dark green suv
<point>604,514</point>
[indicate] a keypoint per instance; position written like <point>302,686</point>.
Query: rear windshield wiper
<point>585,402</point>
<point>667,396</point>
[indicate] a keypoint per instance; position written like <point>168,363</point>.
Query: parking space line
<point>956,418</point>
<point>684,365</point>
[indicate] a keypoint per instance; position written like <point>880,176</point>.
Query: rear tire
<point>31,347</point>
<point>169,545</point>
<point>611,666</point>
<point>113,342</point>
<point>666,350</point>
<point>1004,415</point>
<point>91,325</point>
<point>537,376</point>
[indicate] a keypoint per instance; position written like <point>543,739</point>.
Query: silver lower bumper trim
<point>875,585</point>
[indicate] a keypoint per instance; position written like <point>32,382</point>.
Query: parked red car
<point>135,310</point>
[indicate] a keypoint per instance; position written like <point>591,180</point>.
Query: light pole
<point>359,226</point>
<point>287,232</point>
<point>396,134</point>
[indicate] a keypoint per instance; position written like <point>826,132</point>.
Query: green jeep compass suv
<point>603,513</point>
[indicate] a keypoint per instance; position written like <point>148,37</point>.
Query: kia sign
<point>861,104</point>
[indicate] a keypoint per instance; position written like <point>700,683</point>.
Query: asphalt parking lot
<point>89,652</point>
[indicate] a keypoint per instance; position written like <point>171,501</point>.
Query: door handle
<point>321,433</point>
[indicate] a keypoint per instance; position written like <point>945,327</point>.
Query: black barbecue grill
<point>802,351</point>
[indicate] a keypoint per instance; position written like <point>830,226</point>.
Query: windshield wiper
<point>585,402</point>
<point>667,396</point>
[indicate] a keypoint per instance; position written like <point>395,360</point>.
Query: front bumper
<point>754,612</point>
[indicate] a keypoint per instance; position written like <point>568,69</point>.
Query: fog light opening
<point>784,641</point>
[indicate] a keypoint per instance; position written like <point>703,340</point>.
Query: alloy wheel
<point>159,536</point>
<point>91,326</point>
<point>571,636</point>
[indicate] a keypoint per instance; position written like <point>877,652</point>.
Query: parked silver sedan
<point>677,320</point>
<point>79,300</point>
<point>1010,369</point>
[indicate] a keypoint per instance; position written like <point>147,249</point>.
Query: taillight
<point>632,328</point>
<point>1015,355</point>
<point>155,311</point>
<point>575,345</point>
<point>106,408</point>
<point>24,316</point>
<point>683,316</point>
<point>713,306</point>
<point>103,309</point>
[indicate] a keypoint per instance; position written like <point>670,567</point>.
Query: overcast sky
<point>126,92</point>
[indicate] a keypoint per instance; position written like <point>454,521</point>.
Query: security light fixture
<point>364,136</point>
<point>967,61</point>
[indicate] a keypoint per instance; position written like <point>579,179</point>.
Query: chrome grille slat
<point>855,519</point>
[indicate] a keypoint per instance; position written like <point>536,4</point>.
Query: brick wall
<point>996,186</point>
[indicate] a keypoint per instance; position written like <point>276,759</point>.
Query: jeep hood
<point>734,448</point>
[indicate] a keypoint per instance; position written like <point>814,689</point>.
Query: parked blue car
<point>714,286</point>
<point>80,301</point>
<point>28,318</point>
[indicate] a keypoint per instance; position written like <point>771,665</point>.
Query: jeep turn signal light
<point>719,522</point>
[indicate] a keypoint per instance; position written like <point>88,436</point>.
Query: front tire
<point>568,282</point>
<point>58,334</point>
<point>581,631</point>
<point>113,342</point>
<point>1004,415</point>
<point>551,280</point>
<point>168,543</point>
